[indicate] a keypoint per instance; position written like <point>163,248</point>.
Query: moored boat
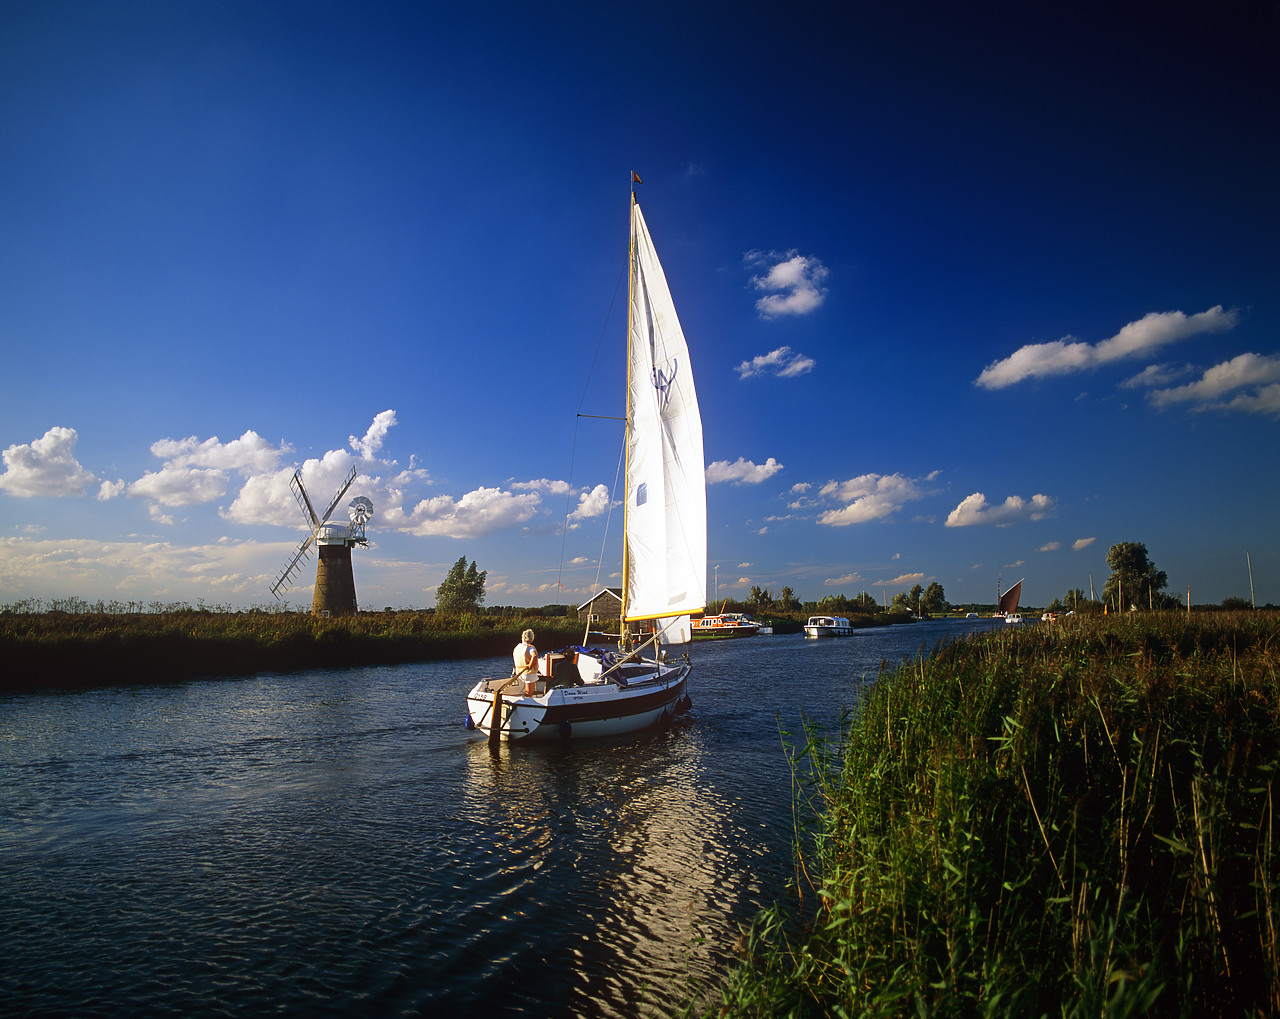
<point>827,626</point>
<point>723,625</point>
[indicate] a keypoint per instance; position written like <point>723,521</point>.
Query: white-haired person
<point>525,657</point>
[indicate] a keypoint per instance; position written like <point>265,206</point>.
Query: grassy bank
<point>51,650</point>
<point>1074,820</point>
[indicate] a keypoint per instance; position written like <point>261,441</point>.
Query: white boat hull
<point>580,712</point>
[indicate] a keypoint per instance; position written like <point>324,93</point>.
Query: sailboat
<point>599,691</point>
<point>1007,604</point>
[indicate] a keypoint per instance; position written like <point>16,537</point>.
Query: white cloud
<point>1051,546</point>
<point>268,499</point>
<point>792,282</point>
<point>903,580</point>
<point>542,485</point>
<point>973,511</point>
<point>1156,375</point>
<point>111,489</point>
<point>1240,372</point>
<point>475,515</point>
<point>180,486</point>
<point>783,362</point>
<point>249,454</point>
<point>590,504</point>
<point>742,472</point>
<point>868,497</point>
<point>1060,357</point>
<point>45,467</point>
<point>848,578</point>
<point>368,446</point>
<point>139,571</point>
<point>1082,543</point>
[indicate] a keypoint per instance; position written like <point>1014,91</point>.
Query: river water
<point>335,842</point>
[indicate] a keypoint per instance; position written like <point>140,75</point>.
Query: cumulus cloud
<point>868,497</point>
<point>46,466</point>
<point>110,489</point>
<point>791,282</point>
<point>742,472</point>
<point>590,504</point>
<point>974,511</point>
<point>1051,546</point>
<point>1242,372</point>
<point>1082,543</point>
<point>268,498</point>
<point>783,362</point>
<point>542,485</point>
<point>845,581</point>
<point>249,454</point>
<point>180,486</point>
<point>1060,357</point>
<point>368,446</point>
<point>476,514</point>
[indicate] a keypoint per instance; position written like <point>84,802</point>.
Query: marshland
<point>1073,819</point>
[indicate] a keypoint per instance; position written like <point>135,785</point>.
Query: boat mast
<point>623,629</point>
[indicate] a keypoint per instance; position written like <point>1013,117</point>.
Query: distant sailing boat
<point>1007,603</point>
<point>592,691</point>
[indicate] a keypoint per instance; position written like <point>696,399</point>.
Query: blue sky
<point>969,295</point>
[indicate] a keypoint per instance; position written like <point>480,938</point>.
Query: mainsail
<point>666,524</point>
<point>1009,600</point>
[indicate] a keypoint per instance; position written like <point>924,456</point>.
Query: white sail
<point>666,540</point>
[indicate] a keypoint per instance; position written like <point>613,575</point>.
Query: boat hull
<point>827,626</point>
<point>724,632</point>
<point>828,631</point>
<point>580,712</point>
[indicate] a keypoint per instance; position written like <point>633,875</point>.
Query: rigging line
<point>604,330</point>
<point>608,517</point>
<point>568,499</point>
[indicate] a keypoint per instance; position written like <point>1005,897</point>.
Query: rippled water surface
<point>336,842</point>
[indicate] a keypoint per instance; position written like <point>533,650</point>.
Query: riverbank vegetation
<point>1071,819</point>
<point>70,644</point>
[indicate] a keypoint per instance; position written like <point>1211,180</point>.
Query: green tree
<point>760,600</point>
<point>914,597</point>
<point>1134,578</point>
<point>462,590</point>
<point>935,598</point>
<point>787,601</point>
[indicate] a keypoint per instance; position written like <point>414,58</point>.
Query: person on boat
<point>525,657</point>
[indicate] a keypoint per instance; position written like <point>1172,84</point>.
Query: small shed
<point>603,611</point>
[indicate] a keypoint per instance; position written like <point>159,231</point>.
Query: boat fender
<point>469,723</point>
<point>565,729</point>
<point>687,703</point>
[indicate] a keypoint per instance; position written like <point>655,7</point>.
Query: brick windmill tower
<point>335,590</point>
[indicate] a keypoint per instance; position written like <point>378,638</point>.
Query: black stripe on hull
<point>557,713</point>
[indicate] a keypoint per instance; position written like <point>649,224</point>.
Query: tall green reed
<point>1072,820</point>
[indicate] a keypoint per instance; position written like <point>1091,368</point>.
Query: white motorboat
<point>827,626</point>
<point>596,691</point>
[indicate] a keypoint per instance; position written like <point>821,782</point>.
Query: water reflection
<point>331,842</point>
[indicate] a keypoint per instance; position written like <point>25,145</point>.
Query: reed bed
<point>69,649</point>
<point>1072,820</point>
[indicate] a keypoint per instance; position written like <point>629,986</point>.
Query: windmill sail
<point>666,524</point>
<point>1009,600</point>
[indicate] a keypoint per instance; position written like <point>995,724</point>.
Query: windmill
<point>335,593</point>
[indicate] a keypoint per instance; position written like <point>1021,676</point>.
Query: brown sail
<point>1009,600</point>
